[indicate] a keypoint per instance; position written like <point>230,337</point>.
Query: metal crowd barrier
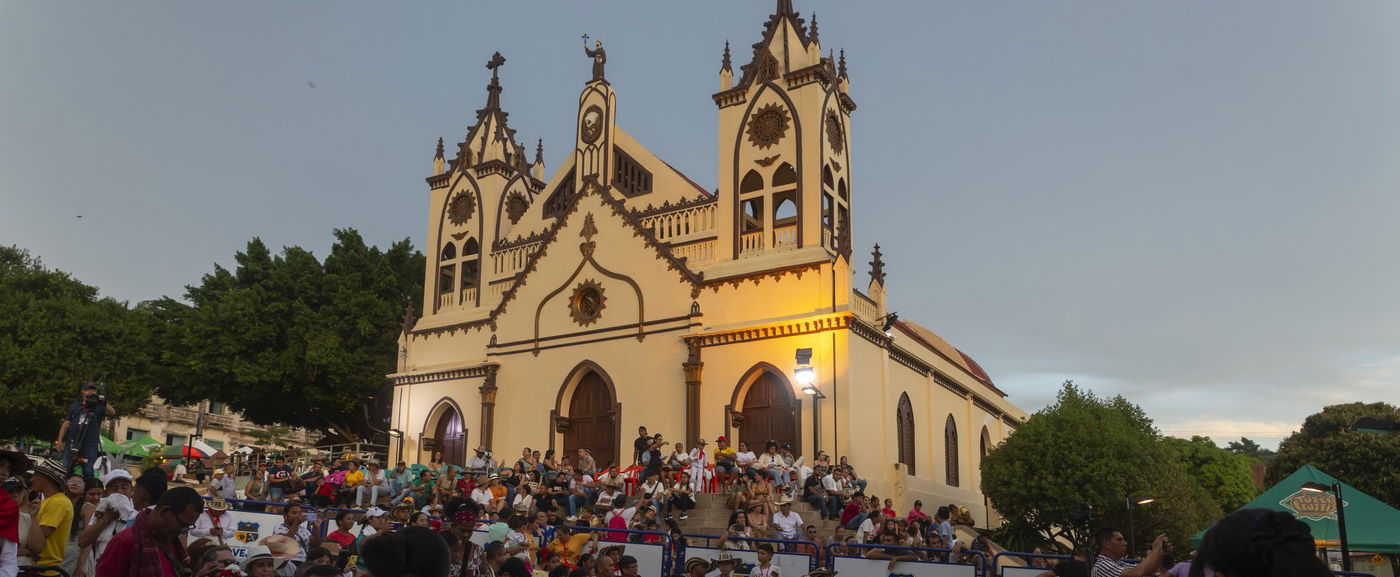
<point>647,562</point>
<point>917,568</point>
<point>784,549</point>
<point>1003,571</point>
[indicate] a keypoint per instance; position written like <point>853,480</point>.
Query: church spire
<point>813,34</point>
<point>877,267</point>
<point>841,69</point>
<point>725,64</point>
<point>493,90</point>
<point>439,164</point>
<point>539,151</point>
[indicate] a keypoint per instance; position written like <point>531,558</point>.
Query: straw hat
<point>219,504</point>
<point>19,462</point>
<point>693,561</point>
<point>282,547</point>
<point>257,551</point>
<point>610,548</point>
<point>726,557</point>
<point>51,469</point>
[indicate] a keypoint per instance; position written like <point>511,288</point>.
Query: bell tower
<point>784,154</point>
<point>597,123</point>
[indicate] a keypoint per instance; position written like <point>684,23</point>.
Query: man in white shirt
<point>832,483</point>
<point>868,526</point>
<point>786,522</point>
<point>581,488</point>
<point>294,525</point>
<point>479,462</point>
<point>221,485</point>
<point>655,491</point>
<point>481,495</point>
<point>215,523</point>
<point>773,464</point>
<point>376,484</point>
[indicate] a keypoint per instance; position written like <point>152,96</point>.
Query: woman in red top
<point>344,521</point>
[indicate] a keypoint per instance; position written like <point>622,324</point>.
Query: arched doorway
<point>451,436</point>
<point>771,413</point>
<point>592,421</point>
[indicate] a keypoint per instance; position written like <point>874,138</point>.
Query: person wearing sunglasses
<point>154,539</point>
<point>213,560</point>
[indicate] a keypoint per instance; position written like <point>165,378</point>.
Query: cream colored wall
<point>413,403</point>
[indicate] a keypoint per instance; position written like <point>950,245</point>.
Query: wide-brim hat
<point>702,442</point>
<point>783,500</point>
<point>257,551</point>
<point>219,505</point>
<point>19,462</point>
<point>822,573</point>
<point>726,557</point>
<point>481,449</point>
<point>52,469</point>
<point>610,548</point>
<point>282,547</point>
<point>693,561</point>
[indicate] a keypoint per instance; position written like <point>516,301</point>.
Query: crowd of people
<point>539,516</point>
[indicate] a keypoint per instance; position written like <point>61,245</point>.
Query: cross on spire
<point>496,61</point>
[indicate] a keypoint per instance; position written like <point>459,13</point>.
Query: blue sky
<point>1189,203</point>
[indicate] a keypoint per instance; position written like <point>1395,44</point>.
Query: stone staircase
<point>712,512</point>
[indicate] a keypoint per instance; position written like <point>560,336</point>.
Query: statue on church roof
<point>598,55</point>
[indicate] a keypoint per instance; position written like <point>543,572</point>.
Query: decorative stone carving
<point>591,126</point>
<point>461,208</point>
<point>835,135</point>
<point>516,205</point>
<point>768,125</point>
<point>767,162</point>
<point>587,303</point>
<point>561,424</point>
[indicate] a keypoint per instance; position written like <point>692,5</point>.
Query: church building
<point>567,307</point>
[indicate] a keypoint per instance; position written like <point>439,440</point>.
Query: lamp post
<point>397,434</point>
<point>805,375</point>
<point>1129,503</point>
<point>1336,490</point>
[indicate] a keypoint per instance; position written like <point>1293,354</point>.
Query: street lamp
<point>1128,503</point>
<point>806,376</point>
<point>397,434</point>
<point>1336,490</point>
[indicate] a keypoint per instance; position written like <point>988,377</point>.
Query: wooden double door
<point>593,421</point>
<point>771,413</point>
<point>451,437</point>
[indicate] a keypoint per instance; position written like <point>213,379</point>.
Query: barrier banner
<point>788,563</point>
<point>1021,571</point>
<point>248,528</point>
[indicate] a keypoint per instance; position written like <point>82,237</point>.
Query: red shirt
<point>915,515</point>
<point>116,561</point>
<point>341,537</point>
<point>889,513</point>
<point>852,509</point>
<point>9,518</point>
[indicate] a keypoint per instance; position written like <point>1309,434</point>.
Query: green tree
<point>1368,461</point>
<point>1083,455</point>
<point>56,333</point>
<point>1250,450</point>
<point>1223,474</point>
<point>292,340</point>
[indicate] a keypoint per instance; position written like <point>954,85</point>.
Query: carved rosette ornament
<point>516,206</point>
<point>592,125</point>
<point>768,125</point>
<point>461,208</point>
<point>835,135</point>
<point>587,303</point>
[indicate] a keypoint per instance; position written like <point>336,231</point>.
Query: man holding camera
<point>78,437</point>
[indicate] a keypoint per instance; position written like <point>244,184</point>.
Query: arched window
<point>449,252</point>
<point>841,190</point>
<point>904,423</point>
<point>447,271</point>
<point>826,176</point>
<point>752,182</point>
<point>950,443</point>
<point>785,174</point>
<point>471,267</point>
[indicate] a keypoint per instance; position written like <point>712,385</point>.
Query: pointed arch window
<point>950,444</point>
<point>904,423</point>
<point>836,210</point>
<point>447,269</point>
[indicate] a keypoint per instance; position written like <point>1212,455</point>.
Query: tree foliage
<point>1369,462</point>
<point>1250,450</point>
<point>1222,473</point>
<point>56,333</point>
<point>1086,454</point>
<point>290,339</point>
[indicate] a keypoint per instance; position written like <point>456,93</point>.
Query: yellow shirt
<point>354,478</point>
<point>570,549</point>
<point>726,453</point>
<point>56,512</point>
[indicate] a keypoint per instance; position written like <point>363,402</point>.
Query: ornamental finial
<point>877,267</point>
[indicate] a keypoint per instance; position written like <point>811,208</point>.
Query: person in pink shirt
<point>917,513</point>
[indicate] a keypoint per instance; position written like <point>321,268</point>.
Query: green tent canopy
<point>110,446</point>
<point>142,446</point>
<point>1372,526</point>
